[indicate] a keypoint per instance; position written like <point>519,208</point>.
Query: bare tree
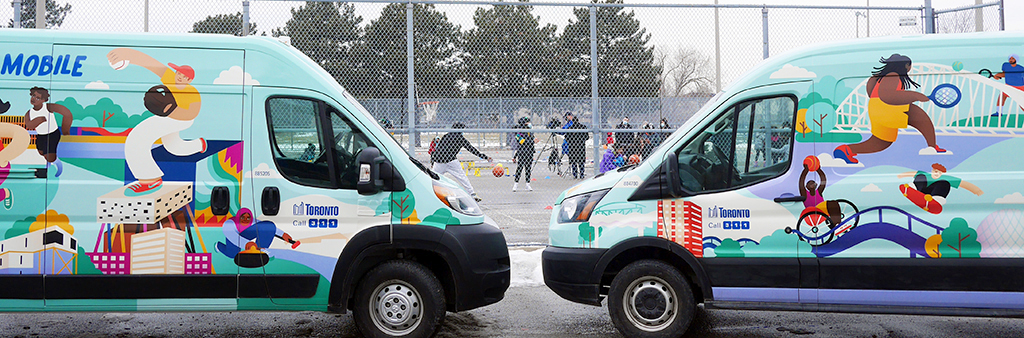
<point>955,22</point>
<point>684,71</point>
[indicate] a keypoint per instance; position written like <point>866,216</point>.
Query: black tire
<point>407,287</point>
<point>668,305</point>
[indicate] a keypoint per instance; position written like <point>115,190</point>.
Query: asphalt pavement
<point>526,312</point>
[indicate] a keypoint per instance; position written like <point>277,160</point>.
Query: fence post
<point>17,13</point>
<point>764,29</point>
<point>595,101</point>
<point>929,17</point>
<point>718,54</point>
<point>410,82</point>
<point>245,17</point>
<point>1002,16</point>
<point>40,13</point>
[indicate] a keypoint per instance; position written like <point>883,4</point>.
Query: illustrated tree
<point>223,24</point>
<point>729,248</point>
<point>959,240</point>
<point>626,66</point>
<point>436,42</point>
<point>403,207</point>
<point>55,14</point>
<point>329,33</point>
<point>588,234</point>
<point>509,53</point>
<point>105,113</point>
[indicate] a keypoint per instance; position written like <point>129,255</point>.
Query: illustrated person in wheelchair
<point>812,192</point>
<point>818,211</point>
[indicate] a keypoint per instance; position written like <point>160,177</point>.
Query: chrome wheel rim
<point>396,308</point>
<point>650,304</point>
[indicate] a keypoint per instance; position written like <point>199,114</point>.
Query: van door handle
<point>219,200</point>
<point>271,201</point>
<point>790,199</point>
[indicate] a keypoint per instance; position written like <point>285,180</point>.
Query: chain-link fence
<point>627,73</point>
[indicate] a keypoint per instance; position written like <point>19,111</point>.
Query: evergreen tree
<point>626,66</point>
<point>329,33</point>
<point>223,24</point>
<point>509,54</point>
<point>55,14</point>
<point>435,45</point>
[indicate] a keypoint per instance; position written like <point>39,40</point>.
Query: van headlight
<point>578,208</point>
<point>457,199</point>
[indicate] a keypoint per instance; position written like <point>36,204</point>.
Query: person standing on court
<point>575,145</point>
<point>445,161</point>
<point>524,154</point>
<point>624,139</point>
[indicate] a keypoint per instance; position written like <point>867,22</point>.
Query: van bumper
<point>485,267</point>
<point>569,272</point>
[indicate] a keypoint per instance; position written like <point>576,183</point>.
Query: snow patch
<point>526,267</point>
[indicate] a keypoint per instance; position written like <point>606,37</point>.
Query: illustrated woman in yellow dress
<point>890,108</point>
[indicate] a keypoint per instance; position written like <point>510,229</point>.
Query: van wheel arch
<point>639,248</point>
<point>372,247</point>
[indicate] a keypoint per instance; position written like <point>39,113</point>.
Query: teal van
<point>199,172</point>
<point>877,175</point>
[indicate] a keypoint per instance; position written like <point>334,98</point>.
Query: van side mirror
<point>670,169</point>
<point>376,173</point>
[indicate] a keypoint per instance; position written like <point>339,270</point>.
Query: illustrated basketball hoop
<point>429,109</point>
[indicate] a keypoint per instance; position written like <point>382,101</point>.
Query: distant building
<point>50,250</point>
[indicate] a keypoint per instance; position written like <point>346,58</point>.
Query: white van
<point>145,172</point>
<point>876,175</point>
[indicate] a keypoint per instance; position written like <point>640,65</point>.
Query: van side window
<point>348,142</point>
<point>298,142</point>
<point>749,143</point>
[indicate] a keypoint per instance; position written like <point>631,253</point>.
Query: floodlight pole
<point>929,17</point>
<point>145,16</point>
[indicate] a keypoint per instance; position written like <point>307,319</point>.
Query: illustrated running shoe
<point>844,153</point>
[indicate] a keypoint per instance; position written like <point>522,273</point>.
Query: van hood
<point>601,182</point>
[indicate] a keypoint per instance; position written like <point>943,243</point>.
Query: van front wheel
<point>399,299</point>
<point>650,298</point>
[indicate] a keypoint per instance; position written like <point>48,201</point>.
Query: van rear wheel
<point>650,298</point>
<point>399,299</point>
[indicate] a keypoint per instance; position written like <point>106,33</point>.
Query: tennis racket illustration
<point>945,95</point>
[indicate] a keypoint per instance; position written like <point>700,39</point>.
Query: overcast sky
<point>669,28</point>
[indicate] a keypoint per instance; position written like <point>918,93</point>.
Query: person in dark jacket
<point>524,154</point>
<point>575,145</point>
<point>624,139</point>
<point>445,161</point>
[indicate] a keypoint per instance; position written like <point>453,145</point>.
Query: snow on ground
<point>526,267</point>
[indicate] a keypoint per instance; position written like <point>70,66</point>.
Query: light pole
<point>857,16</point>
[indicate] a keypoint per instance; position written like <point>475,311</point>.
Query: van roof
<point>885,44</point>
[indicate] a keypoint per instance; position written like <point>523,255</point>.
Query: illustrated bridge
<point>972,116</point>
